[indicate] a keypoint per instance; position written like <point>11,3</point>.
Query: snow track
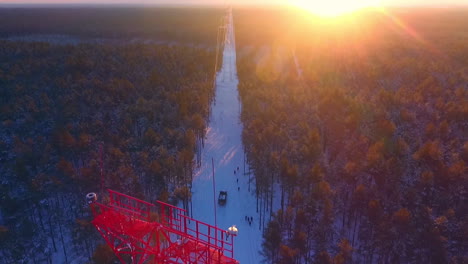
<point>223,144</point>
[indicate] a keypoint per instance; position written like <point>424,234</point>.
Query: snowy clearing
<point>223,143</point>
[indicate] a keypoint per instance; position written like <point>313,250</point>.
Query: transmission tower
<point>142,232</point>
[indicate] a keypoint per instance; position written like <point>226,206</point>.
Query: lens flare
<point>333,8</point>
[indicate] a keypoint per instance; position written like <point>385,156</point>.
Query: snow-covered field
<point>223,144</point>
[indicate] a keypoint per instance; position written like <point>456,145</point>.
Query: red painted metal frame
<point>142,232</point>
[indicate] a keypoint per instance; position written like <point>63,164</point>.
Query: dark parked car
<point>222,197</point>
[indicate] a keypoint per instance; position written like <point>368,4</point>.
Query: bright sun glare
<point>333,8</point>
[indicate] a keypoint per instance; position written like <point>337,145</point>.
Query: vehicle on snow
<point>222,197</point>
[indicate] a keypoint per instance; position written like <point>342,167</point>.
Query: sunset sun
<point>332,8</point>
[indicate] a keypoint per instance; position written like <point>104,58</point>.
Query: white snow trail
<point>223,143</point>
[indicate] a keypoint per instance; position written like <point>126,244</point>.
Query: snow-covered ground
<point>223,143</point>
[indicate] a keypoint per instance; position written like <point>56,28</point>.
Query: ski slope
<point>223,144</point>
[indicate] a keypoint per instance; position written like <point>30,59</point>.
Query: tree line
<point>358,129</point>
<point>182,25</point>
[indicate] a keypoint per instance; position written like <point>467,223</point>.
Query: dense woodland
<point>193,26</point>
<point>140,108</point>
<point>358,126</point>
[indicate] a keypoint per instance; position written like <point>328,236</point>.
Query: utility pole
<point>214,192</point>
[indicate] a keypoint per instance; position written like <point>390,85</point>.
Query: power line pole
<point>214,192</point>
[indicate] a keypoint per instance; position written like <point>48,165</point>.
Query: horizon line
<point>204,4</point>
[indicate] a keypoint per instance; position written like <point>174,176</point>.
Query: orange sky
<point>385,2</point>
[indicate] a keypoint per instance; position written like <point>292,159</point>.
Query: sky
<point>220,2</point>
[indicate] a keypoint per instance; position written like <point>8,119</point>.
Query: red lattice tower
<point>141,232</point>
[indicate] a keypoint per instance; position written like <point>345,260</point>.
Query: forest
<point>355,126</point>
<point>358,126</point>
<point>136,111</point>
<point>188,25</point>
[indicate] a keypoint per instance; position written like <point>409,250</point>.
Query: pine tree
<point>272,237</point>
